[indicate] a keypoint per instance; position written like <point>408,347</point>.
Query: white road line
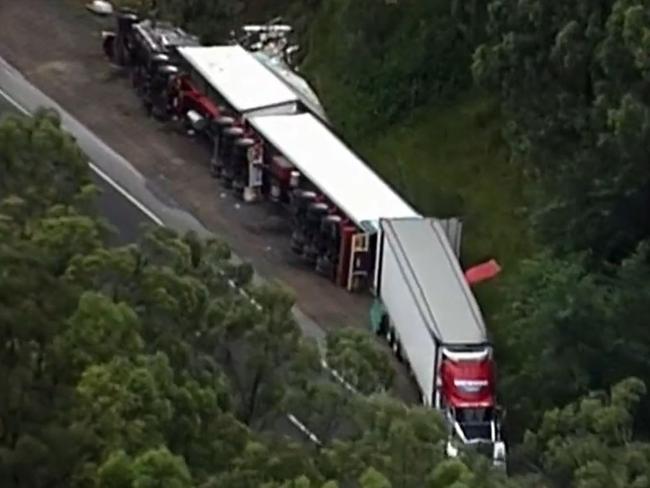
<point>126,195</point>
<point>303,428</point>
<point>14,102</point>
<point>134,201</point>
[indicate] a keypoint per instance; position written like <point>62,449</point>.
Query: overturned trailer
<point>213,91</point>
<point>338,202</point>
<point>235,79</point>
<point>149,50</point>
<point>240,86</point>
<point>135,40</point>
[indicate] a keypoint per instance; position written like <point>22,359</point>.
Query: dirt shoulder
<point>58,49</point>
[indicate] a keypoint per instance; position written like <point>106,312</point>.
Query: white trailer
<point>430,317</point>
<point>234,75</point>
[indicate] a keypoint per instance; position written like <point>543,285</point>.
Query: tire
<point>398,351</point>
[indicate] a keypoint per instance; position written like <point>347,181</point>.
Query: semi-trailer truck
<point>428,313</point>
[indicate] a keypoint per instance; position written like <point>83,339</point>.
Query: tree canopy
<point>584,135</point>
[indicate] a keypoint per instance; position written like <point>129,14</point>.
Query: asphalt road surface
<point>120,213</point>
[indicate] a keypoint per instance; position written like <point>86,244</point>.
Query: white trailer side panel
<point>417,341</point>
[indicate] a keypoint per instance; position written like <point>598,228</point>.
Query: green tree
<point>156,468</point>
<point>143,366</point>
<point>40,163</point>
<point>388,56</point>
<point>116,471</point>
<point>44,222</point>
<point>207,19</point>
<point>400,442</point>
<point>371,478</point>
<point>590,443</point>
<point>451,473</point>
<point>557,304</point>
<point>160,469</point>
<point>126,403</point>
<point>263,464</point>
<point>571,78</point>
<point>98,328</point>
<point>323,406</point>
<point>258,346</point>
<point>358,357</point>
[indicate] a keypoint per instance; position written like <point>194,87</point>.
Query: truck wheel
<point>398,351</point>
<point>390,337</point>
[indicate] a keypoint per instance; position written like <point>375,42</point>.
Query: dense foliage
<point>584,136</point>
<point>388,56</point>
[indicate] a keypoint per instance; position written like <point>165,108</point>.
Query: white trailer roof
<point>330,165</point>
<point>238,76</point>
<point>430,268</point>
